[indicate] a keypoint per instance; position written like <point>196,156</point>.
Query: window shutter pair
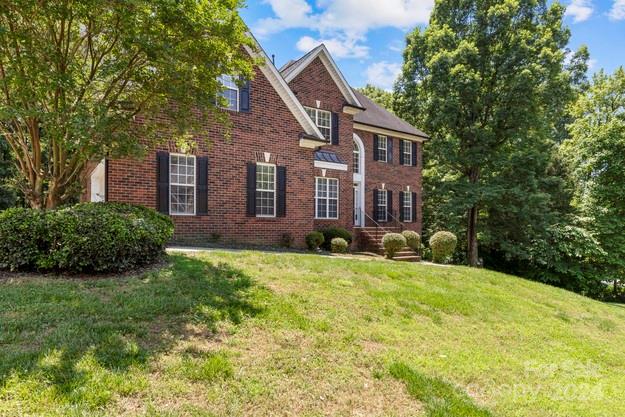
<point>280,190</point>
<point>401,206</point>
<point>335,129</point>
<point>162,180</point>
<point>413,150</point>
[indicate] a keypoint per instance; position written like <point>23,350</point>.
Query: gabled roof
<point>274,77</point>
<point>377,116</point>
<point>292,69</point>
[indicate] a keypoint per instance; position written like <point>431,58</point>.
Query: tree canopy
<point>77,75</point>
<point>382,97</point>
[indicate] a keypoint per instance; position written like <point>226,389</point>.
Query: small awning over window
<point>329,160</point>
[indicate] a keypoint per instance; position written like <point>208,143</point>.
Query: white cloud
<point>339,48</point>
<point>343,23</point>
<point>618,10</point>
<point>580,10</point>
<point>383,74</point>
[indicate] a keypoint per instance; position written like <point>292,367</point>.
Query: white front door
<point>357,208</point>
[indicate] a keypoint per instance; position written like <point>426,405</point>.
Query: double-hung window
<point>406,149</point>
<point>265,190</point>
<point>323,120</point>
<point>230,92</point>
<point>407,207</point>
<point>382,214</point>
<point>382,148</point>
<point>182,184</point>
<point>326,198</point>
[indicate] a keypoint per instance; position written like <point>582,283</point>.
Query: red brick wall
<point>269,127</point>
<point>394,176</point>
<point>315,83</point>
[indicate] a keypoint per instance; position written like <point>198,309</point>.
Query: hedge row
<point>88,237</point>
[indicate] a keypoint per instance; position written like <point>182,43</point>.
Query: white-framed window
<point>407,206</point>
<point>356,162</point>
<point>326,198</point>
<point>382,148</point>
<point>265,190</point>
<point>406,149</point>
<point>323,120</point>
<point>382,214</point>
<point>230,92</point>
<point>182,184</point>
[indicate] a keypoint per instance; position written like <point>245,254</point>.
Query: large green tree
<point>487,80</point>
<point>596,154</point>
<point>76,75</point>
<point>382,97</point>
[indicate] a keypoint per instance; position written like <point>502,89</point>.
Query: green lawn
<point>257,334</point>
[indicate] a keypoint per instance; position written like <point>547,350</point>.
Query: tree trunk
<point>472,252</point>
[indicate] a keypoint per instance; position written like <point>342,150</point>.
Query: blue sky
<point>366,37</point>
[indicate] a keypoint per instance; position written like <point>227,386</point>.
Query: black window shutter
<point>244,97</point>
<point>414,207</point>
<point>281,197</point>
<point>376,145</point>
<point>414,154</point>
<point>401,206</point>
<point>389,152</point>
<point>162,180</point>
<point>251,189</point>
<point>335,129</point>
<point>375,205</point>
<point>202,186</point>
<point>389,204</point>
<point>401,152</point>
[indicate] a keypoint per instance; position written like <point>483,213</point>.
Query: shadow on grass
<point>440,398</point>
<point>86,340</point>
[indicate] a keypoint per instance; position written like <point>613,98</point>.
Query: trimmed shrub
<point>443,245</point>
<point>413,240</point>
<point>339,245</point>
<point>90,237</point>
<point>314,240</point>
<point>22,239</point>
<point>332,232</point>
<point>393,243</point>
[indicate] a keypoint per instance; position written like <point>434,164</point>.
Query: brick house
<point>306,151</point>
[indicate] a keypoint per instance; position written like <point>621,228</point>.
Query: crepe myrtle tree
<point>76,75</point>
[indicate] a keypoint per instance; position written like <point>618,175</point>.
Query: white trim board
<point>388,132</point>
<point>330,165</point>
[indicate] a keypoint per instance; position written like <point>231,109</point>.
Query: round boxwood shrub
<point>393,243</point>
<point>443,245</point>
<point>89,237</point>
<point>332,232</point>
<point>314,240</point>
<point>413,240</point>
<point>339,245</point>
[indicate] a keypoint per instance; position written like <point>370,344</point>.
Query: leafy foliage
<point>413,240</point>
<point>89,79</point>
<point>339,245</point>
<point>393,243</point>
<point>596,156</point>
<point>443,245</point>
<point>487,80</point>
<point>89,237</point>
<point>7,195</point>
<point>332,232</point>
<point>314,240</point>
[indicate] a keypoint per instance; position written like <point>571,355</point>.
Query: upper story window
<point>356,162</point>
<point>382,148</point>
<point>182,184</point>
<point>326,198</point>
<point>323,120</point>
<point>407,207</point>
<point>265,190</point>
<point>406,149</point>
<point>230,92</point>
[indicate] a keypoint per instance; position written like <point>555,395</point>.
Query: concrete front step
<point>412,258</point>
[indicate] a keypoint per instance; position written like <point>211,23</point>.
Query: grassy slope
<point>269,334</point>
